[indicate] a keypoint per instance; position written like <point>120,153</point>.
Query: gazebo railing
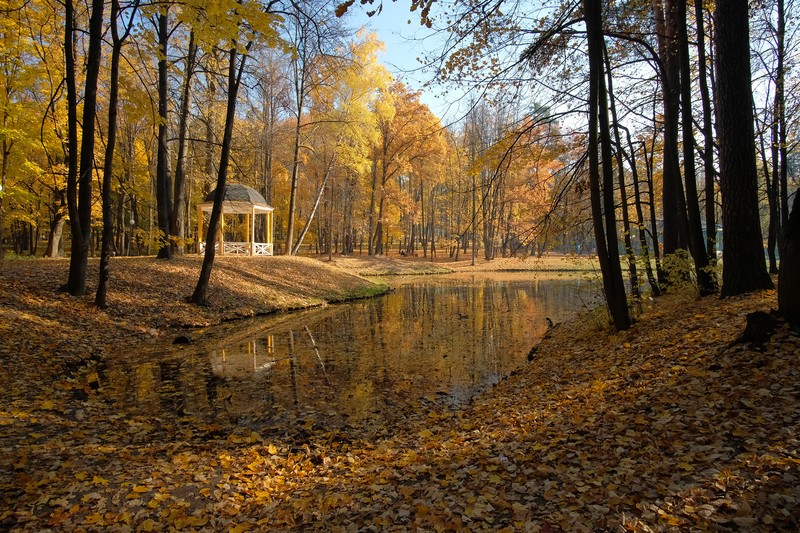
<point>242,248</point>
<point>236,248</point>
<point>262,248</point>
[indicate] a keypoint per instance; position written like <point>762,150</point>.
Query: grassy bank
<point>43,330</point>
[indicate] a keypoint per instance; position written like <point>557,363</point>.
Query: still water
<point>439,339</point>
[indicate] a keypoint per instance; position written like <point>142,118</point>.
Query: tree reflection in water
<point>440,339</point>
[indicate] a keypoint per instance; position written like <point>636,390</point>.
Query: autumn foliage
<point>671,424</point>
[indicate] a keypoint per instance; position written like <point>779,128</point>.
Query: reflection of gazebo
<point>239,200</point>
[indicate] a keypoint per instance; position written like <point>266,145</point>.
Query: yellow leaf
<point>147,525</point>
<point>96,519</point>
<point>425,433</point>
<point>140,489</point>
<point>272,449</point>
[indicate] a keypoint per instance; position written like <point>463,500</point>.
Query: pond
<point>431,340</point>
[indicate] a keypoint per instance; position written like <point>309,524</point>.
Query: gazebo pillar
<point>222,231</point>
<point>251,229</point>
<point>199,228</point>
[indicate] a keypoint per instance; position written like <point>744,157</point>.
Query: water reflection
<point>431,339</point>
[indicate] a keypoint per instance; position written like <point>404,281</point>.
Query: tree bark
<point>234,81</point>
<point>673,200</point>
<point>788,279</point>
<point>637,199</point>
<point>82,228</point>
<point>708,137</point>
<point>163,179</point>
<point>180,204</point>
<point>72,140</point>
<point>101,296</point>
<point>626,223</point>
<point>603,207</point>
<point>706,280</point>
<point>744,266</point>
<point>55,246</point>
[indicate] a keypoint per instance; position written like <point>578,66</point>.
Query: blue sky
<point>405,42</point>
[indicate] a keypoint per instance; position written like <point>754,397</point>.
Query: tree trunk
<point>780,111</point>
<point>788,279</point>
<point>3,175</point>
<point>637,199</point>
<point>72,145</point>
<point>163,180</point>
<point>626,223</point>
<point>180,204</point>
<point>54,239</point>
<point>293,181</point>
<point>234,81</point>
<point>82,230</point>
<point>708,137</point>
<point>603,207</point>
<point>373,193</point>
<point>108,227</point>
<point>744,267</point>
<point>706,281</point>
<point>660,274</point>
<point>674,207</point>
<point>770,177</point>
<point>321,191</point>
<point>379,227</point>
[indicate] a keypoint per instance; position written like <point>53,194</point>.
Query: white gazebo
<point>239,200</point>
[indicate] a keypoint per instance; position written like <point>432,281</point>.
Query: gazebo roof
<point>238,199</point>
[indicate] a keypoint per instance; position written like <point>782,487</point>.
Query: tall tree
<point>788,279</point>
<point>312,40</point>
<point>709,170</point>
<point>600,160</point>
<point>706,281</point>
<point>180,200</point>
<point>674,202</point>
<point>744,267</point>
<point>79,191</point>
<point>111,142</point>
<point>235,69</point>
<point>244,20</point>
<point>164,189</point>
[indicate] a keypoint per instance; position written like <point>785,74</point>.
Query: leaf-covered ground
<point>668,426</point>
